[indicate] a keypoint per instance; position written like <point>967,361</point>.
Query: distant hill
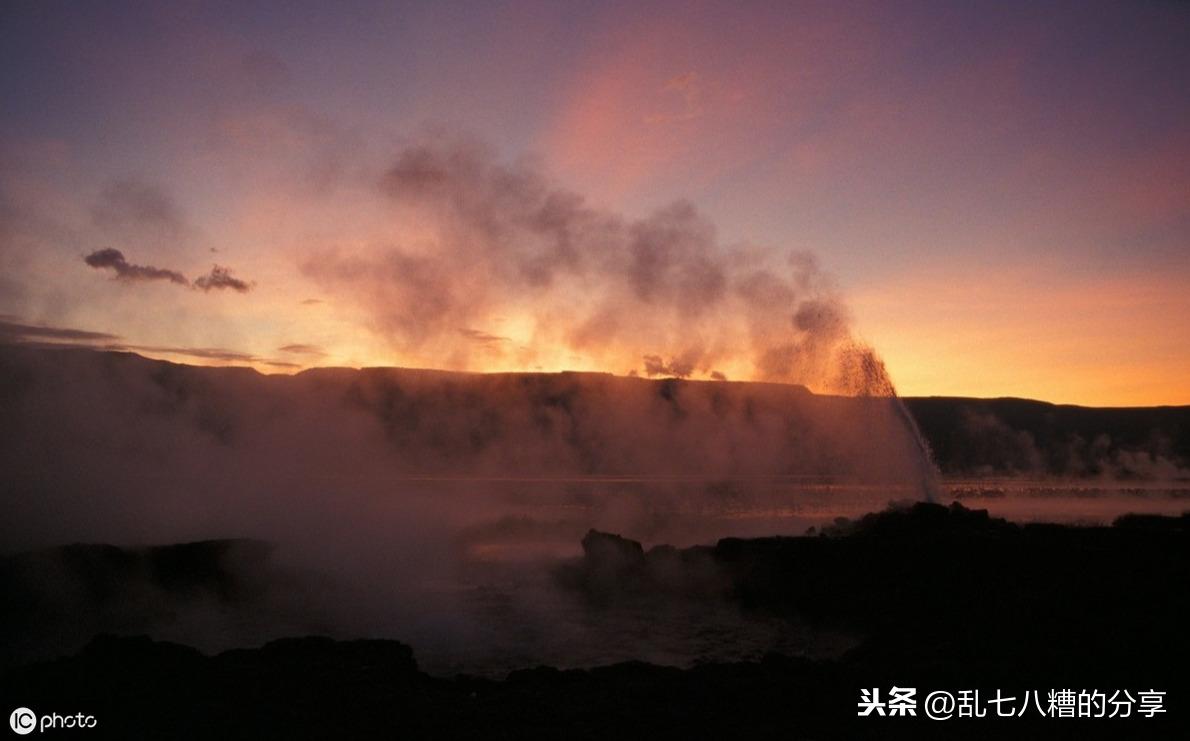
<point>441,422</point>
<point>1020,436</point>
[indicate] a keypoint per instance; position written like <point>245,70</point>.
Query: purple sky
<point>1000,190</point>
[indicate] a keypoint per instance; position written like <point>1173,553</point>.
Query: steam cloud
<point>526,268</point>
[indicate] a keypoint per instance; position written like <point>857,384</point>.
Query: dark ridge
<point>1020,436</point>
<point>459,423</point>
<point>968,437</point>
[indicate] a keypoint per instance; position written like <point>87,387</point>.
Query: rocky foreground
<point>945,599</point>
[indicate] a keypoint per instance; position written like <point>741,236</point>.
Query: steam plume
<point>555,282</point>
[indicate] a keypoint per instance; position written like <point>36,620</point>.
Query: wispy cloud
<point>206,353</point>
<point>299,349</point>
<point>481,336</point>
<point>17,332</point>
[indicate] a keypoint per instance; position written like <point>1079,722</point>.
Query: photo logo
<point>22,721</point>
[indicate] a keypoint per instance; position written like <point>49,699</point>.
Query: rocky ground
<point>944,598</point>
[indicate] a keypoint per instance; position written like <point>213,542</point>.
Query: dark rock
<point>945,598</point>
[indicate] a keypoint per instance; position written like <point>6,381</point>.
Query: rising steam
<point>499,250</point>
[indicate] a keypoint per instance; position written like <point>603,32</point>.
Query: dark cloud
<point>298,349</point>
<point>206,353</point>
<point>311,301</point>
<point>16,332</point>
<point>114,259</point>
<point>220,278</point>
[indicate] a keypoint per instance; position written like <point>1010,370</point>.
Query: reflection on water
<point>523,519</point>
<point>1071,502</point>
<point>517,618</point>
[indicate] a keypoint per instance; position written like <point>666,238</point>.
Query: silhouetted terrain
<point>967,436</point>
<point>1020,436</point>
<point>945,598</point>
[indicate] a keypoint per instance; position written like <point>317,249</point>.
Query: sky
<point>994,196</point>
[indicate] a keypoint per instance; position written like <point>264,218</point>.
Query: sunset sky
<point>999,193</point>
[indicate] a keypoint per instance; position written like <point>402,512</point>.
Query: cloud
<point>205,353</point>
<point>220,278</point>
<point>479,336</point>
<point>298,349</point>
<point>16,332</point>
<point>114,259</point>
